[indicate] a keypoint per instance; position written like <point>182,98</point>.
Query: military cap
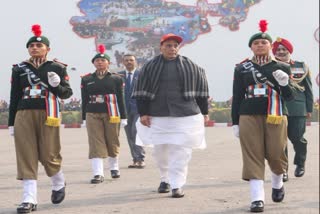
<point>36,29</point>
<point>262,34</point>
<point>101,54</point>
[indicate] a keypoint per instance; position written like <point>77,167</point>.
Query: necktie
<point>127,90</point>
<point>128,81</point>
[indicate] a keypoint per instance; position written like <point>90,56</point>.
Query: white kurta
<point>183,131</point>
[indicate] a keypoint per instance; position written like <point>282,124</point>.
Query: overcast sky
<point>217,51</point>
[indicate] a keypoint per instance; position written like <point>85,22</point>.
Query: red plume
<point>263,24</point>
<point>36,29</point>
<point>101,49</point>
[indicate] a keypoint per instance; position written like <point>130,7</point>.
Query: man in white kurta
<point>172,100</point>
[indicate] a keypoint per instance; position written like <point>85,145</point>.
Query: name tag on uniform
<point>99,99</point>
<point>259,91</point>
<point>35,92</point>
<point>297,71</point>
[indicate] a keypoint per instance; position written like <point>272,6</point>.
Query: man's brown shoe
<point>140,164</point>
<point>133,165</point>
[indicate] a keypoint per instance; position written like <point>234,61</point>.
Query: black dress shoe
<point>285,177</point>
<point>97,179</point>
<point>177,193</point>
<point>299,172</point>
<point>58,196</point>
<point>26,207</point>
<point>257,207</point>
<point>278,194</point>
<point>164,187</point>
<point>115,173</point>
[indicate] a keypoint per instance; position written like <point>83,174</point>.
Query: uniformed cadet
<point>301,107</point>
<point>102,111</point>
<point>258,114</point>
<point>34,119</point>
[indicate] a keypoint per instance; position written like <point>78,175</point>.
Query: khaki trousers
<point>259,141</point>
<point>34,141</point>
<point>103,136</point>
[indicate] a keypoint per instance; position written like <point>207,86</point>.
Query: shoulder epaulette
<point>117,74</point>
<point>282,63</point>
<point>14,67</point>
<point>56,61</point>
<point>17,66</point>
<point>84,75</point>
<point>298,61</point>
<point>291,62</point>
<point>246,59</point>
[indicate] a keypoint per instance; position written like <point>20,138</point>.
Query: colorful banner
<point>135,26</point>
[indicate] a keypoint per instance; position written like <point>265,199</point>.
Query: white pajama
<point>173,139</point>
<point>172,161</point>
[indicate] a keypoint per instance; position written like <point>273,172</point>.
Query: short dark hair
<point>128,54</point>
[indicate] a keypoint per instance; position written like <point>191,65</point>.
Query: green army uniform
<point>298,109</point>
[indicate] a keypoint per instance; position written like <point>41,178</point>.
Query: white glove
<point>53,79</point>
<point>281,77</point>
<point>123,123</point>
<point>11,130</point>
<point>235,129</point>
<point>84,124</point>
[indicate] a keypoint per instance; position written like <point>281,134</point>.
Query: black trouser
<point>296,130</point>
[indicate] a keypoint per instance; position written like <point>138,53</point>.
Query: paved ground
<point>214,185</point>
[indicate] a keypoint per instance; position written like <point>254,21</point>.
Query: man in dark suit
<point>130,75</point>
